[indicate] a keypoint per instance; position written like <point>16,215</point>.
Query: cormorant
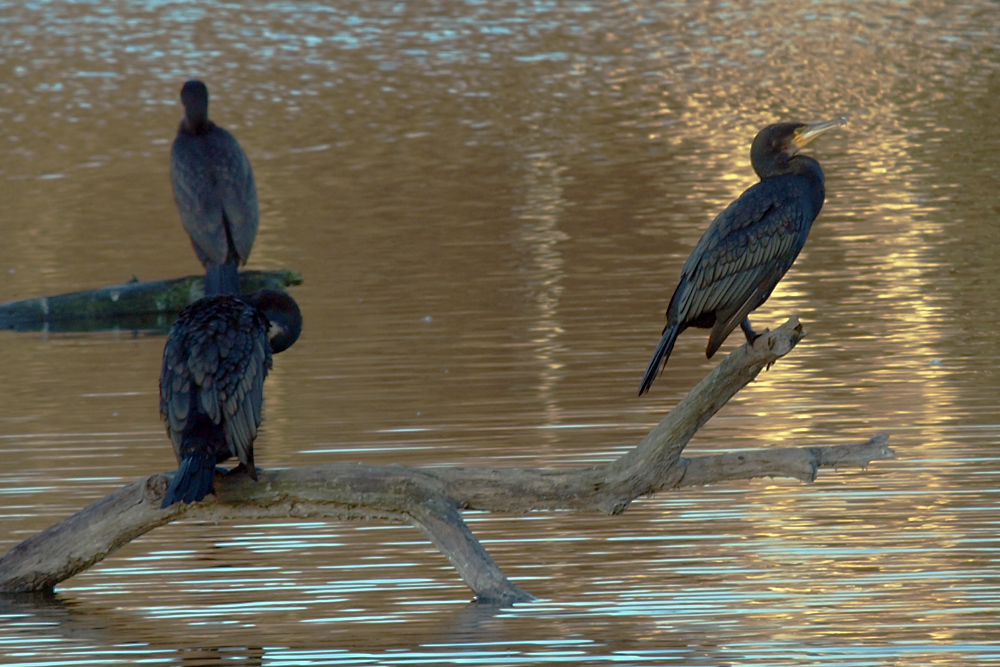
<point>750,245</point>
<point>216,357</point>
<point>215,192</point>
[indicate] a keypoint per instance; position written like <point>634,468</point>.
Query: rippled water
<point>490,203</point>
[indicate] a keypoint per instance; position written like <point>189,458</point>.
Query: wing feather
<point>194,185</point>
<point>741,257</point>
<point>215,360</point>
<point>238,192</point>
<point>213,184</point>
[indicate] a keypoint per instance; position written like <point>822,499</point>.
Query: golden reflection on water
<point>544,206</point>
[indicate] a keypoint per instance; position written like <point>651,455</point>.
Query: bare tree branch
<point>431,498</point>
<point>801,463</point>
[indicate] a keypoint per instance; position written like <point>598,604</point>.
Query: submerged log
<point>431,498</point>
<point>132,305</point>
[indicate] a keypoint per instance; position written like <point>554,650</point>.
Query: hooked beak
<point>807,133</point>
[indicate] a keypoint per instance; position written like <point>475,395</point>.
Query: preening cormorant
<point>215,192</point>
<point>750,245</point>
<point>216,357</point>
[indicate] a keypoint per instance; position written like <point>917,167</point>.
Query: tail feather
<point>193,481</point>
<point>222,279</point>
<point>660,357</point>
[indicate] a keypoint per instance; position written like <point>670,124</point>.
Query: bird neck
<point>803,165</point>
<point>798,165</point>
<point>195,125</point>
<point>809,169</point>
<point>776,164</point>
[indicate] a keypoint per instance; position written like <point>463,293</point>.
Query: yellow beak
<point>807,133</point>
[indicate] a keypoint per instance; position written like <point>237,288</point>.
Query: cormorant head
<point>194,96</point>
<point>283,316</point>
<point>776,144</point>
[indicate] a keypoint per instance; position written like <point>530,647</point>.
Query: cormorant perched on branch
<point>750,245</point>
<point>217,355</point>
<point>215,192</point>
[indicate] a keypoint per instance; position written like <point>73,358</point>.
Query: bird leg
<point>752,336</point>
<point>748,330</point>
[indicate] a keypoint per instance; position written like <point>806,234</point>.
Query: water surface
<point>490,203</point>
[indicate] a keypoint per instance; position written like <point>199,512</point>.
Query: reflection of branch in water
<point>55,629</point>
<point>544,204</point>
<point>64,627</point>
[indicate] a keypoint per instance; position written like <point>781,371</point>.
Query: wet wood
<point>133,304</point>
<point>431,498</point>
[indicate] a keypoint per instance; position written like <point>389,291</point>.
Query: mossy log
<point>132,305</point>
<point>431,499</point>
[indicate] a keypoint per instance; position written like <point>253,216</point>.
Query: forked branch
<point>431,498</point>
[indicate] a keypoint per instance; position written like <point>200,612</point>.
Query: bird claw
<point>752,338</point>
<point>753,341</point>
<point>240,469</point>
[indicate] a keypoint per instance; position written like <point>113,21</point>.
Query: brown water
<point>490,203</point>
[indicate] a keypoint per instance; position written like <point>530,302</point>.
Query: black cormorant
<point>750,245</point>
<point>215,192</point>
<point>217,355</point>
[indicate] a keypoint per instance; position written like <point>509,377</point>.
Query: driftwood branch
<point>431,498</point>
<point>132,305</point>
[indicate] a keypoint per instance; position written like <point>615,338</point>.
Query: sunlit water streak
<point>490,203</point>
